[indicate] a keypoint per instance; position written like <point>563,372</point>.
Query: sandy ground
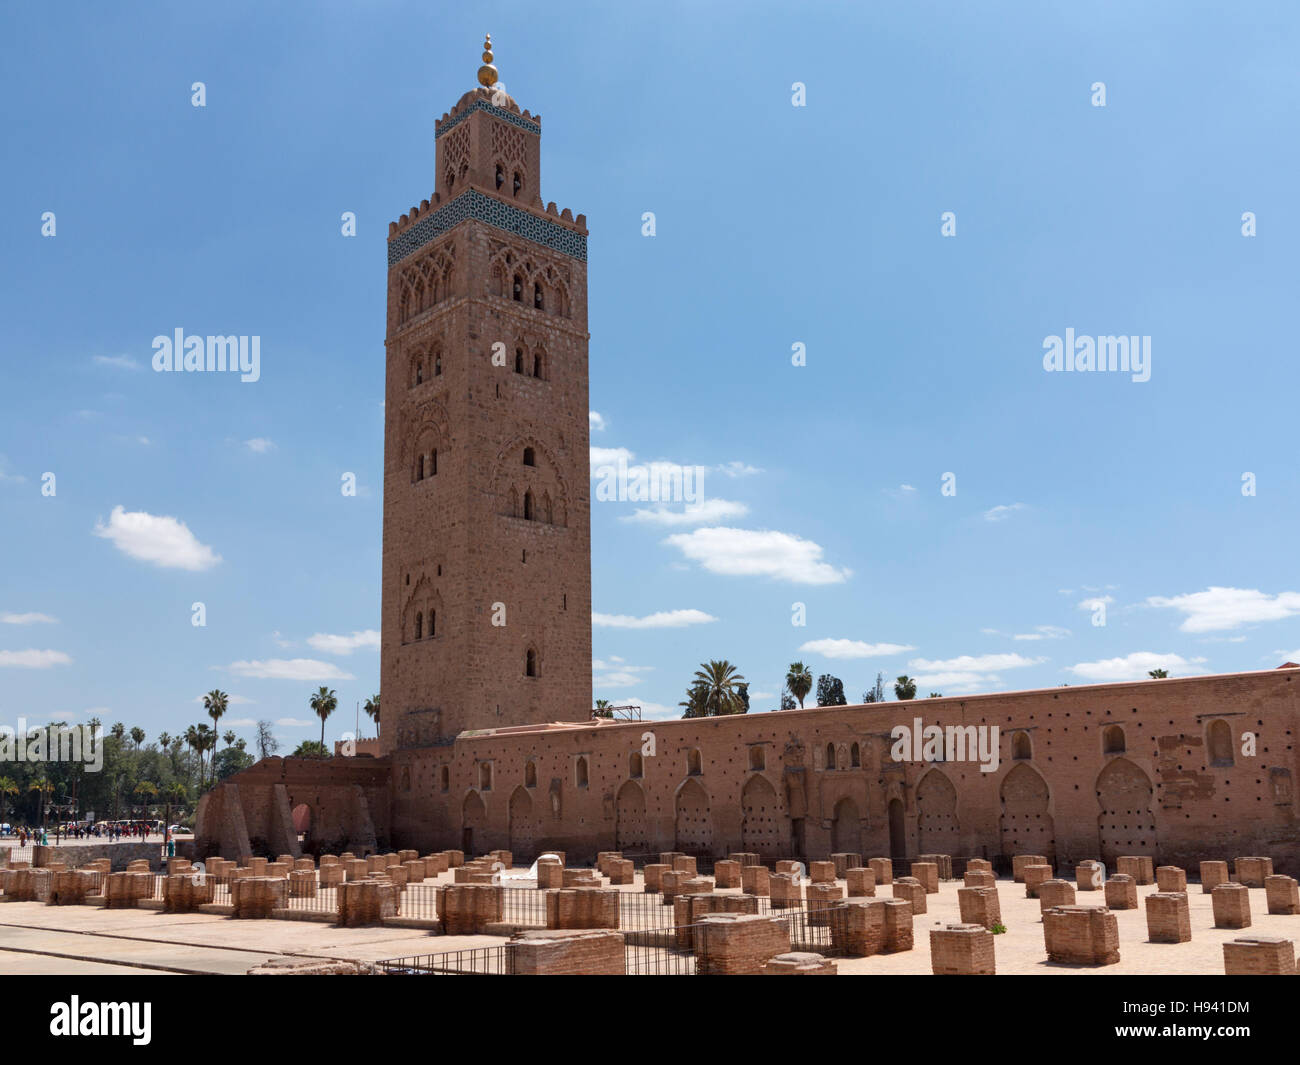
<point>36,938</point>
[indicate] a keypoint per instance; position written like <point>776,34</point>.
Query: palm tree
<point>905,687</point>
<point>215,703</point>
<point>8,787</point>
<point>144,791</point>
<point>602,709</point>
<point>694,702</point>
<point>718,681</point>
<point>1157,674</point>
<point>324,703</point>
<point>800,681</point>
<point>371,707</point>
<point>173,793</point>
<point>137,737</point>
<point>45,787</point>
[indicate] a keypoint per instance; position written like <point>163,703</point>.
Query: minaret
<point>487,527</point>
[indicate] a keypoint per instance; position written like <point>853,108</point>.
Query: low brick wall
<point>1259,956</point>
<point>566,953</point>
<point>568,908</point>
<point>466,909</point>
<point>1168,917</point>
<point>962,950</point>
<point>1081,935</point>
<point>119,855</point>
<point>1231,903</point>
<point>863,927</point>
<point>979,905</point>
<point>735,944</point>
<point>368,902</point>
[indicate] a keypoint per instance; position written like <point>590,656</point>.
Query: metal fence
<point>480,961</point>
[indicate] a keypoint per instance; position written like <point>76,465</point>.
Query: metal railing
<point>479,961</point>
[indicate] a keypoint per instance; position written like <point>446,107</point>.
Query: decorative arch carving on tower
<point>425,427</point>
<point>511,479</point>
<point>506,261</point>
<point>425,602</point>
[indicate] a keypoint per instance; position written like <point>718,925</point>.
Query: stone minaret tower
<point>487,522</point>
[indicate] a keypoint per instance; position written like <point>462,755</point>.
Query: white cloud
<point>306,669</point>
<point>1095,602</point>
<point>1134,666</point>
<point>966,672</point>
<point>238,722</point>
<point>831,648</point>
<point>118,362</point>
<point>1043,632</point>
<point>736,468</point>
<point>595,422</point>
<point>161,540</point>
<point>259,445</point>
<point>906,488</point>
<point>27,619</point>
<point>710,510</point>
<point>12,478</point>
<point>343,645</point>
<point>1216,609</point>
<point>753,553</point>
<point>608,456</point>
<point>296,722</point>
<point>33,659</point>
<point>1002,511</point>
<point>974,663</point>
<point>616,674</point>
<point>664,619</point>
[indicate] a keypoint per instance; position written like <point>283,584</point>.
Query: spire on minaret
<point>487,73</point>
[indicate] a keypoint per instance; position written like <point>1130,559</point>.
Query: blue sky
<point>774,225</point>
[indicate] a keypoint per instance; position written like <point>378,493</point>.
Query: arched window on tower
<point>1021,749</point>
<point>635,765</point>
<point>519,360</point>
<point>433,462</point>
<point>830,756</point>
<point>580,772</point>
<point>855,756</point>
<point>528,506</point>
<point>538,302</point>
<point>529,457</point>
<point>419,373</point>
<point>444,778</point>
<point>530,663</point>
<point>501,175</point>
<point>437,365</point>
<point>419,469</point>
<point>519,182</point>
<point>517,289</point>
<point>432,616</point>
<point>537,365</point>
<point>419,626</point>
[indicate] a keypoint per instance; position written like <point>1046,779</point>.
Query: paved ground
<point>36,938</point>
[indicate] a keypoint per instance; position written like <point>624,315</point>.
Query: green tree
<point>602,709</point>
<point>311,749</point>
<point>905,687</point>
<point>694,702</point>
<point>323,703</point>
<point>371,707</point>
<point>830,691</point>
<point>137,737</point>
<point>1157,674</point>
<point>8,789</point>
<point>144,791</point>
<point>216,703</point>
<point>787,700</point>
<point>719,680</point>
<point>800,681</point>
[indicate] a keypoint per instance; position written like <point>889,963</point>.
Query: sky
<point>869,222</point>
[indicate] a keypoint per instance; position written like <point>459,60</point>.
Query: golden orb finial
<point>487,73</point>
